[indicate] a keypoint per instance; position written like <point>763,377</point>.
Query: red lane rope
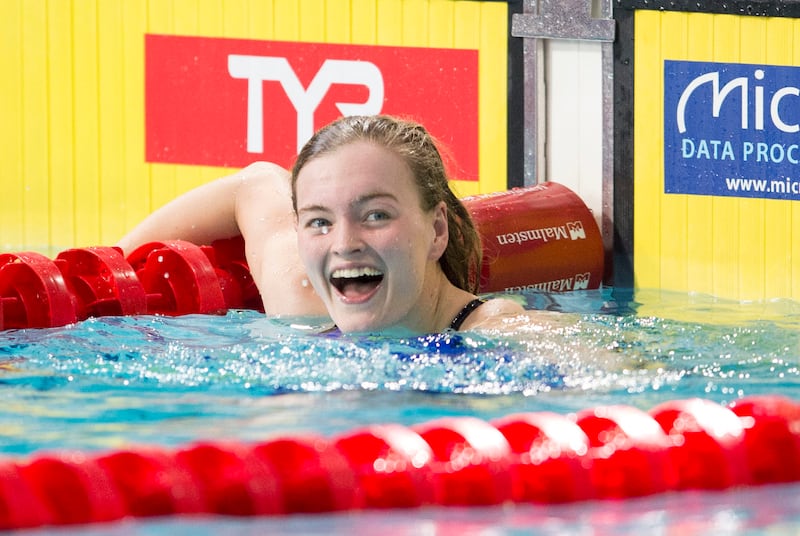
<point>600,453</point>
<point>171,278</point>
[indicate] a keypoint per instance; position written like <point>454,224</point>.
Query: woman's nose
<point>347,239</point>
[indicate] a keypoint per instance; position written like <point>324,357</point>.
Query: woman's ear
<point>440,231</point>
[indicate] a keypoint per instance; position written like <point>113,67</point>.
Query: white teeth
<point>355,272</point>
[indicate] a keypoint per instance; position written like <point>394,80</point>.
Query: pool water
<point>113,382</point>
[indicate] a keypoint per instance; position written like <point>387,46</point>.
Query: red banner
<point>229,102</point>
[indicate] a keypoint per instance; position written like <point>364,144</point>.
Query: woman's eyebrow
<point>366,198</point>
<point>312,208</point>
<point>355,203</point>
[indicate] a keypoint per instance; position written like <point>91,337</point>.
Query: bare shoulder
<point>267,222</point>
<point>265,178</point>
<point>264,193</point>
<point>492,312</point>
<point>502,306</point>
<point>507,316</point>
<point>264,169</point>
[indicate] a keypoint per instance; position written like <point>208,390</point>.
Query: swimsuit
<point>462,315</point>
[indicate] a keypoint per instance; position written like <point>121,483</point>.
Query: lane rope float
<point>612,452</point>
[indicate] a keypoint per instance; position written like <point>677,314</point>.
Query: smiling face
<point>369,249</point>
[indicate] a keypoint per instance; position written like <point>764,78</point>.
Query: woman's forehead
<point>358,169</point>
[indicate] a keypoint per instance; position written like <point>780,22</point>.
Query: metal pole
<point>581,20</point>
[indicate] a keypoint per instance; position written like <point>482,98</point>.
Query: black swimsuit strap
<point>462,315</point>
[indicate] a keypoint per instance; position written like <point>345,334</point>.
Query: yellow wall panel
<point>389,22</point>
<point>286,17</point>
<point>258,19</point>
<point>35,197</point>
<point>161,17</point>
<point>467,28</point>
<point>779,43</point>
<point>86,84</point>
<point>418,32</point>
<point>724,260</point>
<point>312,17</point>
<point>136,176</point>
<point>725,254</point>
<point>441,15</point>
<point>673,210</point>
<point>111,96</point>
<point>493,135</point>
<point>364,21</point>
<point>61,121</point>
<point>794,275</point>
<point>698,272</point>
<point>751,212</point>
<point>647,198</point>
<point>11,172</point>
<point>336,22</point>
<point>732,247</point>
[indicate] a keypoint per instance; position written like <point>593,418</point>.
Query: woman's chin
<point>362,328</point>
<point>355,325</point>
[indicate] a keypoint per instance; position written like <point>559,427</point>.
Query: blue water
<point>111,382</point>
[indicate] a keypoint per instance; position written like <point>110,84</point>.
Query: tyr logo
<point>227,102</point>
<point>258,69</point>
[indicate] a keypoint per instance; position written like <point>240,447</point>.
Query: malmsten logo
<point>565,284</point>
<point>572,230</point>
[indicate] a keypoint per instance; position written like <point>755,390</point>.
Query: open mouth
<point>353,283</point>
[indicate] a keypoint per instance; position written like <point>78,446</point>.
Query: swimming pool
<point>105,384</point>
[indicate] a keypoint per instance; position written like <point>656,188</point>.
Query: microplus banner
<point>732,129</point>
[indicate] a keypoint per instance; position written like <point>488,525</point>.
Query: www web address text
<point>787,188</point>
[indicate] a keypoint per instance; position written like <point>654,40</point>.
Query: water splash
<point>107,381</point>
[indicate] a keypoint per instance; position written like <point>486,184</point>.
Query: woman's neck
<point>444,301</point>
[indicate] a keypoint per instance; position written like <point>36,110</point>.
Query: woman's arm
<point>256,203</point>
<point>218,209</point>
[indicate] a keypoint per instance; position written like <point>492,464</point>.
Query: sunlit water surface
<point>115,382</point>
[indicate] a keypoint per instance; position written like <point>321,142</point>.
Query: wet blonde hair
<point>461,260</point>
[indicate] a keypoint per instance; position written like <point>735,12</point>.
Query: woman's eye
<point>320,224</point>
<point>377,215</point>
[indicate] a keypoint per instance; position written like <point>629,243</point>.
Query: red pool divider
<point>612,452</point>
<point>538,238</point>
<point>102,282</point>
<point>179,278</point>
<point>172,278</point>
<point>33,292</point>
<point>546,461</point>
<point>629,452</point>
<point>706,444</point>
<point>541,237</point>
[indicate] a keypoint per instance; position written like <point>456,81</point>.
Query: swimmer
<point>365,229</point>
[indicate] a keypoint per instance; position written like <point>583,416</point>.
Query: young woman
<point>366,229</point>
